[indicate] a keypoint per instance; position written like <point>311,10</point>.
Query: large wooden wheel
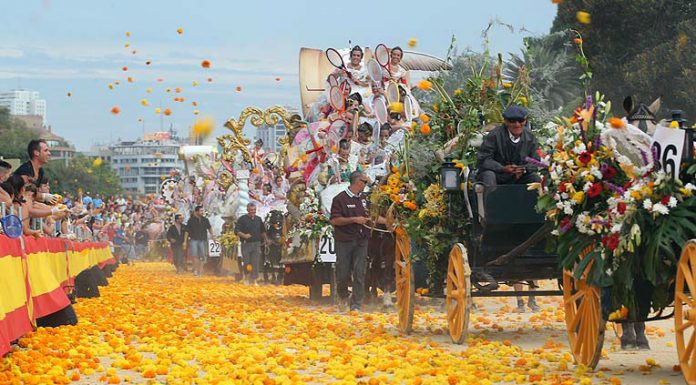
<point>458,293</point>
<point>685,311</point>
<point>583,315</point>
<point>405,290</point>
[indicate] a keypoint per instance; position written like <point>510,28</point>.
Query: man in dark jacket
<point>502,156</point>
<point>502,159</point>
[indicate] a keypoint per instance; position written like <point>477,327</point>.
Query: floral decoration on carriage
<point>619,218</point>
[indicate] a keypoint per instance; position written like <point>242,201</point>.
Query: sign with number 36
<point>668,144</point>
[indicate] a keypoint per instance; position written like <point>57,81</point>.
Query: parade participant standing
<point>175,236</point>
<point>396,72</point>
<point>197,231</point>
<point>251,231</point>
<point>348,215</point>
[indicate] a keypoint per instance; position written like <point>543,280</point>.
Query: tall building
<point>271,134</point>
<point>24,102</point>
<point>142,165</point>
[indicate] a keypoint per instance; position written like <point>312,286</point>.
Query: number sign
<point>327,250</point>
<point>214,248</point>
<point>669,144</point>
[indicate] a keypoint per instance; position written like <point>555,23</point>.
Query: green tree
<point>643,48</point>
<point>15,137</point>
<point>549,62</point>
<point>81,173</point>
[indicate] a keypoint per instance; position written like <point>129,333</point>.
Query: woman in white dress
<point>358,78</point>
<point>396,72</point>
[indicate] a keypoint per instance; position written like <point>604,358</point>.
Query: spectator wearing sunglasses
<point>502,156</point>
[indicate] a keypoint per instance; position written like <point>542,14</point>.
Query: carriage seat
<point>505,204</point>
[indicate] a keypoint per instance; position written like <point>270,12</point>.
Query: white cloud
<point>11,53</point>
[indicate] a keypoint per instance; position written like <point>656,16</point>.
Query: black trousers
<point>351,260</point>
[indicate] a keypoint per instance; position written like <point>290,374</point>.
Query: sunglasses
<point>516,120</point>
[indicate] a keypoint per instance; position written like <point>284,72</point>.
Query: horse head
<point>642,116</point>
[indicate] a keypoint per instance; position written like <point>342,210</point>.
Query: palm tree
<point>552,71</point>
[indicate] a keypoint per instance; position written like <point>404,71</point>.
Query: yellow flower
<point>674,124</point>
<point>507,85</point>
<point>685,191</point>
<point>579,197</point>
<point>583,17</point>
<point>523,100</point>
<point>458,91</point>
<point>412,42</point>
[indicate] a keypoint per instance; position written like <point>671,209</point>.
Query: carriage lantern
<point>449,175</point>
<point>690,134</point>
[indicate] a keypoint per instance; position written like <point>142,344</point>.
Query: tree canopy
<point>643,48</point>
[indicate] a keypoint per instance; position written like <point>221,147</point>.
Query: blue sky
<point>78,46</point>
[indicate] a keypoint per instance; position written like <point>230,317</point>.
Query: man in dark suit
<point>502,156</point>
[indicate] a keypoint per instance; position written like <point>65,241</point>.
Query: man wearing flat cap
<point>502,156</point>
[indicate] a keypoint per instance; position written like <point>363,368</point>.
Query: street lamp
<point>449,175</point>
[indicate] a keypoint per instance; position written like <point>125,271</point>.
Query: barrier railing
<point>34,274</point>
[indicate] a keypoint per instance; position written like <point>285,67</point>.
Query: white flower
<point>647,204</point>
<point>568,210</point>
<point>616,228</point>
<point>587,186</point>
<point>672,202</point>
<point>660,208</point>
<point>690,187</point>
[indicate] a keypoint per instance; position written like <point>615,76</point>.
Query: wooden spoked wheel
<point>405,290</point>
<point>685,312</point>
<point>583,315</point>
<point>458,293</point>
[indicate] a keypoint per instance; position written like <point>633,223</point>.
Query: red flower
<point>585,157</point>
<point>609,172</point>
<point>562,187</point>
<point>612,241</point>
<point>628,185</point>
<point>565,224</point>
<point>665,200</point>
<point>594,190</point>
<point>621,207</point>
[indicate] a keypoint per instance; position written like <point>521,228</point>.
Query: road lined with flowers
<point>154,327</point>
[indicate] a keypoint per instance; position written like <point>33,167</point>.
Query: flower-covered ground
<point>152,326</point>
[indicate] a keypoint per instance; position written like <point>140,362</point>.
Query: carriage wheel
<point>583,315</point>
<point>405,290</point>
<point>685,311</point>
<point>458,293</point>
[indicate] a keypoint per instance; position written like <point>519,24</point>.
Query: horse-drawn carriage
<point>507,241</point>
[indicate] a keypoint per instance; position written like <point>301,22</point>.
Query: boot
<point>628,337</point>
<point>520,305</point>
<point>533,305</point>
<point>641,339</point>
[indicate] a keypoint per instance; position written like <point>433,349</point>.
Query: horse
<point>642,116</point>
<point>272,253</point>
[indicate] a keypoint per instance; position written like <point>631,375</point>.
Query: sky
<point>71,50</point>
